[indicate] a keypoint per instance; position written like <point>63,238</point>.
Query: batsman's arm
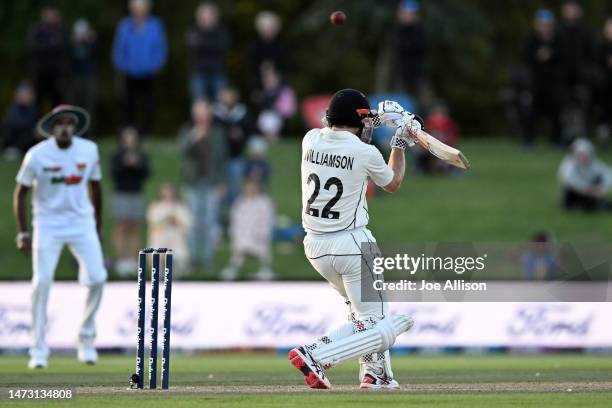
<point>95,188</point>
<point>397,163</point>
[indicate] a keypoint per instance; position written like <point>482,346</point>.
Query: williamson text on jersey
<point>329,160</point>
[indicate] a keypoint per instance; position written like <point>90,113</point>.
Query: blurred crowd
<point>225,181</point>
<point>63,69</point>
<point>563,82</point>
<point>223,143</point>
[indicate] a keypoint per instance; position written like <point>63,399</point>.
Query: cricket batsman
<point>336,163</point>
<point>62,171</point>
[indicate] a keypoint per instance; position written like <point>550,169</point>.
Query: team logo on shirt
<point>81,166</point>
<point>52,169</point>
<point>68,180</point>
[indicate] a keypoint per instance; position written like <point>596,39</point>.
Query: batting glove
<point>406,124</point>
<point>390,113</point>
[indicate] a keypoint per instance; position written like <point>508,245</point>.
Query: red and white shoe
<point>314,375</point>
<point>374,381</point>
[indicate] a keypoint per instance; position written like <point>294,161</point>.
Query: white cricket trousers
<point>339,257</point>
<point>345,260</point>
<point>47,245</point>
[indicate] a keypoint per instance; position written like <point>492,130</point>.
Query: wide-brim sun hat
<point>45,124</point>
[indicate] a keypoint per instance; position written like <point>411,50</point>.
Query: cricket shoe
<point>37,362</point>
<point>378,380</point>
<point>314,376</point>
<point>86,352</point>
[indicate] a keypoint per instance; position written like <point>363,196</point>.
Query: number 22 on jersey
<point>327,211</point>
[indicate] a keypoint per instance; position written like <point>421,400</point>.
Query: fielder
<point>336,163</point>
<point>62,171</point>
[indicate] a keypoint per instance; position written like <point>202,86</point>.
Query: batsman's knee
<point>391,327</point>
<point>387,334</point>
<point>400,323</point>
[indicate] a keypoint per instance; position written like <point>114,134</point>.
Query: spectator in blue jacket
<point>139,53</point>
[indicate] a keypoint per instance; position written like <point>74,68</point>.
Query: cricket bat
<point>442,151</point>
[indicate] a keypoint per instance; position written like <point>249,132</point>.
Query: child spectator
<point>585,181</point>
<point>257,165</point>
<point>168,222</point>
<point>129,170</point>
<point>19,123</point>
<point>251,224</point>
<point>538,258</point>
<point>234,118</point>
<point>276,101</point>
<point>441,126</point>
<point>207,45</point>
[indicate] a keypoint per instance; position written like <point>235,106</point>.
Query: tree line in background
<point>471,45</point>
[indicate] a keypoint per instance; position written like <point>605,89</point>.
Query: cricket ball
<point>338,17</point>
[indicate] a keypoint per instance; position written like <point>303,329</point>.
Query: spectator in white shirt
<point>585,180</point>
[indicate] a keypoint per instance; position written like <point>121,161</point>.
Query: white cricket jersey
<point>335,169</point>
<point>60,180</point>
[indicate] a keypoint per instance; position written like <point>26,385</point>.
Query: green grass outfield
<point>508,195</point>
<point>262,380</point>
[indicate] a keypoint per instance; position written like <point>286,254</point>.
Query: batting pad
<point>379,338</point>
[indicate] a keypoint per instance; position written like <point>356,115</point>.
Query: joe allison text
<point>450,285</point>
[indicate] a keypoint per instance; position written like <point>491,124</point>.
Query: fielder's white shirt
<point>60,180</point>
<point>335,168</point>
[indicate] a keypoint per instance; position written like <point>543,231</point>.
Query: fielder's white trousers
<point>339,258</point>
<point>47,245</point>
